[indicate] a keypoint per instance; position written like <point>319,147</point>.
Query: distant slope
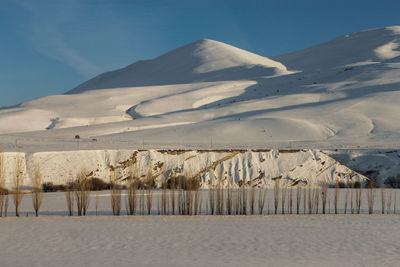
<point>375,45</point>
<point>203,60</point>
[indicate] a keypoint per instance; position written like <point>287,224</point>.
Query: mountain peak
<point>199,61</point>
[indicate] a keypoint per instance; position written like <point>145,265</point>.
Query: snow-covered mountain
<point>341,94</point>
<point>344,91</point>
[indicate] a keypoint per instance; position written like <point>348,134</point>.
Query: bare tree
<point>115,193</point>
<point>276,195</point>
<point>371,199</point>
<point>336,196</point>
<point>18,180</point>
<point>324,196</point>
<point>37,196</point>
<point>261,200</point>
<point>82,192</point>
<point>3,191</point>
<point>298,199</point>
<point>132,185</point>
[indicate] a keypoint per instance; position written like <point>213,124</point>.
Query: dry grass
<point>37,195</point>
<point>18,180</point>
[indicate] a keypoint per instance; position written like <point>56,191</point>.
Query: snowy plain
<point>54,239</point>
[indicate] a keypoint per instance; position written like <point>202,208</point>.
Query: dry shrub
<point>37,196</point>
<point>18,180</point>
<point>97,184</point>
<point>50,187</point>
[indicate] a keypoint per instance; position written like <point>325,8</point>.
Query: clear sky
<point>49,47</point>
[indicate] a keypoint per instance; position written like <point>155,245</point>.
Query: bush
<point>97,184</point>
<point>50,187</point>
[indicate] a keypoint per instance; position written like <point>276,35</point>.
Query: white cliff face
<point>251,167</point>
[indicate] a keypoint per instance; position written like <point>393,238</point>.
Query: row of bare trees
<point>182,195</point>
<point>18,190</point>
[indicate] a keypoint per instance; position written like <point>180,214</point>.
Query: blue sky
<point>49,47</point>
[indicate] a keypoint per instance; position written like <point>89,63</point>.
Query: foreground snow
<point>199,241</point>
